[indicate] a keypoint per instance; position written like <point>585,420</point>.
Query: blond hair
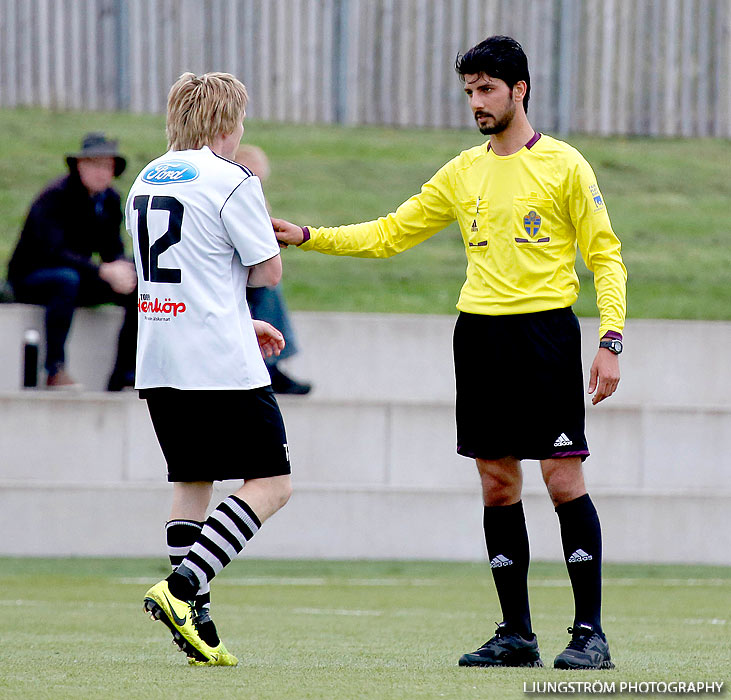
<point>202,108</point>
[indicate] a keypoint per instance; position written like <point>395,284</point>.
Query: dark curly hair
<point>499,57</point>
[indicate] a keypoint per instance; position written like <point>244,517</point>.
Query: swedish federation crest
<point>532,223</point>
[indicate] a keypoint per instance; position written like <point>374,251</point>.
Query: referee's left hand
<point>604,376</point>
<point>287,233</point>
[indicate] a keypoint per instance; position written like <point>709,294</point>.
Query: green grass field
<point>74,628</point>
<point>668,199</point>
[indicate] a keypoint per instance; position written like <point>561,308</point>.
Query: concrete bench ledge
<point>373,448</point>
<point>108,438</point>
<point>613,404</point>
<point>391,524</point>
<point>90,350</point>
<point>408,357</point>
<point>533,488</point>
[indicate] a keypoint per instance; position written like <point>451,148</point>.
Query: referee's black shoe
<point>587,649</point>
<point>505,649</point>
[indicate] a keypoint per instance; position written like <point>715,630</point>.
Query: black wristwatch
<point>612,344</point>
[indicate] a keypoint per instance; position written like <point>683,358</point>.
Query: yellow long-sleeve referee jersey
<point>521,218</point>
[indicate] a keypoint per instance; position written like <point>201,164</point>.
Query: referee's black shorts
<point>520,387</point>
<point>217,435</point>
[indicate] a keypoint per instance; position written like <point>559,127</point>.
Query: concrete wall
<point>90,349</point>
<point>372,448</point>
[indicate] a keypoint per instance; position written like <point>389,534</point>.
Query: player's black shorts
<point>520,388</point>
<point>217,435</point>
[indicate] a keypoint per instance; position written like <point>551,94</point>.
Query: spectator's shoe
<point>586,650</point>
<point>207,631</point>
<point>282,384</point>
<point>7,295</point>
<point>179,616</point>
<point>62,380</point>
<point>505,649</point>
<point>119,381</point>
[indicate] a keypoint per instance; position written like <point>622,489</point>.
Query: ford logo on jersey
<point>170,171</point>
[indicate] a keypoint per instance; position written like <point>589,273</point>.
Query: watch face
<point>613,345</point>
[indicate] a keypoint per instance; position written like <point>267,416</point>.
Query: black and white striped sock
<point>224,534</point>
<point>180,536</point>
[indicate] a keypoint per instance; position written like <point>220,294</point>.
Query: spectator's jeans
<point>267,304</point>
<point>61,290</point>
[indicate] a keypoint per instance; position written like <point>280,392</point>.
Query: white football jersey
<point>198,222</point>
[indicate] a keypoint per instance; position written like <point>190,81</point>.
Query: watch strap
<point>611,345</point>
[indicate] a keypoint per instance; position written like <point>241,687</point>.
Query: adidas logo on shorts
<point>500,560</point>
<point>579,555</point>
<point>562,441</point>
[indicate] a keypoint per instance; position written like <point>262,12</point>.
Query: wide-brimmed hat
<point>97,145</point>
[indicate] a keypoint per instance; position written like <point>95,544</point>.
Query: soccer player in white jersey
<point>201,234</point>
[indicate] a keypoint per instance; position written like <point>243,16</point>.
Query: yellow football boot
<point>222,658</point>
<point>179,616</point>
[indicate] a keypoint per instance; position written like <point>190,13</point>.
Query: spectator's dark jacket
<point>65,227</point>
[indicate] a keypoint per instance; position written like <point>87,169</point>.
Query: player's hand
<point>120,275</point>
<point>287,233</point>
<point>271,341</point>
<point>604,375</point>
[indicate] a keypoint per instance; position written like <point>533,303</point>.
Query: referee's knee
<point>502,481</point>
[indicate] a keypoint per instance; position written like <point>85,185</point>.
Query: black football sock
<point>506,537</point>
<point>581,537</point>
<point>180,536</point>
<point>224,534</point>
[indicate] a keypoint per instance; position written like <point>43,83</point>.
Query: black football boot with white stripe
<point>588,649</point>
<point>505,649</point>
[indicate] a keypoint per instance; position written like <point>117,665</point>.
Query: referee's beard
<point>501,123</point>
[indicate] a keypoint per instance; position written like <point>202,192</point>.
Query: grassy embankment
<point>668,200</point>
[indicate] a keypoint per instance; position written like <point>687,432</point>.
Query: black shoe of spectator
<point>6,293</point>
<point>119,381</point>
<point>282,384</point>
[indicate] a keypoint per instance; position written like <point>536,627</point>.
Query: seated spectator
<point>74,217</point>
<point>267,303</point>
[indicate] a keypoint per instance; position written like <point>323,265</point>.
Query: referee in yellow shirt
<point>524,201</point>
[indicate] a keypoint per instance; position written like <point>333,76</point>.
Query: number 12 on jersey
<point>149,254</point>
